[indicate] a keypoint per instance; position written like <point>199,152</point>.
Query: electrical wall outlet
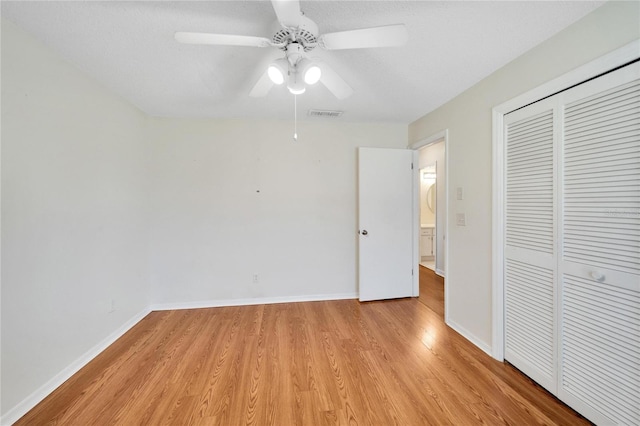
<point>255,278</point>
<point>459,193</point>
<point>461,219</point>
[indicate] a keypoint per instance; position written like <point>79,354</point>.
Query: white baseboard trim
<point>32,400</point>
<point>440,272</point>
<point>250,301</point>
<point>470,337</point>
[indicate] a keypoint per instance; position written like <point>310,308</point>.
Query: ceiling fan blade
<point>221,39</point>
<point>334,82</point>
<point>288,12</point>
<point>386,36</point>
<point>262,87</point>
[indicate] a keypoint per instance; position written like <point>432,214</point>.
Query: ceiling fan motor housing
<point>295,53</point>
<point>305,34</point>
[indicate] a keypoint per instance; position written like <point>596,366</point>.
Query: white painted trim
<point>470,337</point>
<point>440,272</point>
<point>616,58</point>
<point>1,422</point>
<point>251,301</point>
<point>447,231</point>
<point>443,134</point>
<point>43,391</point>
<point>416,223</point>
<point>497,226</point>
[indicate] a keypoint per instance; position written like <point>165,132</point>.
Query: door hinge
<point>412,272</point>
<point>411,166</point>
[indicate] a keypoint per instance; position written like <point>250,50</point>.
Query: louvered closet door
<point>529,274</point>
<point>600,256</point>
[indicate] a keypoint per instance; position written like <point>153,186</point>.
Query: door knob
<point>364,232</point>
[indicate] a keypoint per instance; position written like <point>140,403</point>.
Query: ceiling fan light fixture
<point>296,35</point>
<point>295,83</point>
<point>277,71</point>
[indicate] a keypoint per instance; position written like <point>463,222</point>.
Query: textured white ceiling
<point>128,46</point>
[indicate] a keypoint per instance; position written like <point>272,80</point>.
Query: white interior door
<point>386,240</point>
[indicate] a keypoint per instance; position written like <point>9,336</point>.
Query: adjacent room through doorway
<point>432,193</point>
<point>432,213</point>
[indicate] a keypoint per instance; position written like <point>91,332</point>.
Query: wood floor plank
<point>431,290</point>
<point>317,363</point>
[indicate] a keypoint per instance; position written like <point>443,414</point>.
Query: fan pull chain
<point>295,118</point>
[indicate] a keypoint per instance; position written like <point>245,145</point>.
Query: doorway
<point>432,184</point>
<point>431,226</point>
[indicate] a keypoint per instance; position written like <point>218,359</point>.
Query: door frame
<point>442,136</point>
<point>592,69</point>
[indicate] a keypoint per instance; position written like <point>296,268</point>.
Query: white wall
<point>468,119</point>
<point>74,234</point>
<point>429,155</point>
<point>100,201</point>
<point>236,198</point>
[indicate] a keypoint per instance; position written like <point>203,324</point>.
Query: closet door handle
<point>598,276</point>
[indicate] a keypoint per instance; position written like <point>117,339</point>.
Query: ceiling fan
<point>296,35</point>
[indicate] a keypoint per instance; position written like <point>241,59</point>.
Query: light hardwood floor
<point>317,363</point>
<point>432,290</point>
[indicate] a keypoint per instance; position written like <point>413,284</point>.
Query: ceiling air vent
<point>324,114</point>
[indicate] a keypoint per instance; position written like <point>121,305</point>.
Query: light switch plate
<point>459,193</point>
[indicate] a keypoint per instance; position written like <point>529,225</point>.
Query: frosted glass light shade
<point>297,89</point>
<point>275,74</point>
<point>312,74</point>
<point>278,70</point>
